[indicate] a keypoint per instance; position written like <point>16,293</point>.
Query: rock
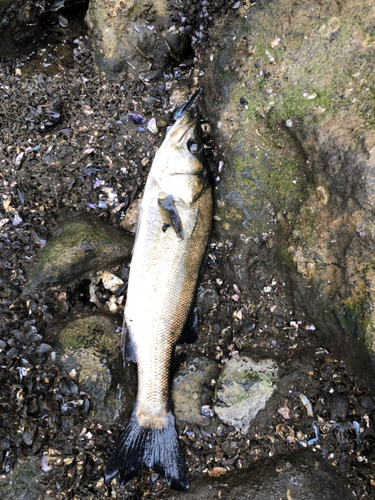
<point>301,476</point>
<point>178,43</point>
<point>243,389</point>
<point>130,222</point>
<point>20,27</point>
<point>89,350</point>
<point>83,245</point>
<point>109,280</point>
<point>192,389</point>
<point>299,143</point>
<point>130,36</point>
<point>207,297</point>
<point>22,483</point>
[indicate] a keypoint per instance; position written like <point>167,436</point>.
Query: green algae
<point>258,178</point>
<point>83,245</point>
<point>308,93</point>
<point>96,332</point>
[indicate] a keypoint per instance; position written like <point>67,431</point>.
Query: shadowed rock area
<point>192,389</point>
<point>301,477</point>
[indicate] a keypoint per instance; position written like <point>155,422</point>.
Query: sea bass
<point>175,222</point>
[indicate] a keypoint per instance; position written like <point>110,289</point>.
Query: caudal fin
<point>156,449</point>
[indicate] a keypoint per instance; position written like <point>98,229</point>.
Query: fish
<point>171,240</point>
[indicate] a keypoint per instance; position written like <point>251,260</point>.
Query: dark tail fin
<point>156,449</point>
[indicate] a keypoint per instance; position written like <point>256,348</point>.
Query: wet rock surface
<point>243,389</point>
<point>88,352</point>
<point>304,186</point>
<point>192,390</point>
<point>83,246</point>
<point>95,160</point>
<point>297,477</point>
<point>22,483</point>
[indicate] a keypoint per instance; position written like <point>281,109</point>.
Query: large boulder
<point>293,115</point>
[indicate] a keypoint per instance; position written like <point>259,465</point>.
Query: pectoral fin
<point>170,216</point>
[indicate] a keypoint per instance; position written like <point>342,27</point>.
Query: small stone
<point>248,326</point>
<point>217,471</point>
<point>152,127</point>
<point>289,123</point>
<point>110,281</point>
<point>130,223</point>
<point>44,348</point>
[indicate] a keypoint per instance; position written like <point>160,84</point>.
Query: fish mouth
<point>178,132</point>
<point>187,105</point>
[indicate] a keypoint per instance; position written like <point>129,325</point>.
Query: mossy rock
<point>293,115</point>
<point>91,347</point>
<point>243,389</point>
<point>22,483</point>
<point>84,245</point>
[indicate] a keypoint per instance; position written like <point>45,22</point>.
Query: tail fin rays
<point>156,449</point>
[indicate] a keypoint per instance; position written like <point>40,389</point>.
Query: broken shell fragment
<point>152,127</point>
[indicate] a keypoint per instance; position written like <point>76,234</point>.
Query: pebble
<point>152,127</point>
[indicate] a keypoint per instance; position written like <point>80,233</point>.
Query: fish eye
<point>193,146</point>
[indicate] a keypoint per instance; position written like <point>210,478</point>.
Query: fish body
<point>175,222</point>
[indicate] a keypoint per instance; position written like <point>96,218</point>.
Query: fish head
<point>185,144</point>
<point>179,164</point>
